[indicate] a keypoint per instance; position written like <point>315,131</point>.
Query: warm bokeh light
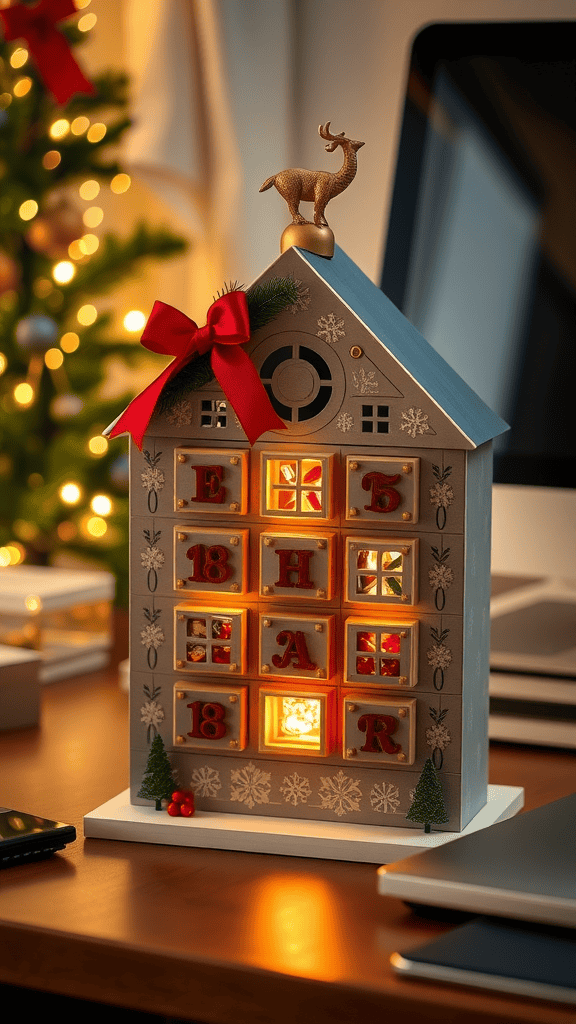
<point>120,183</point>
<point>86,315</point>
<point>25,530</point>
<point>5,100</point>
<point>101,504</point>
<point>88,244</point>
<point>53,358</point>
<point>19,57</point>
<point>17,552</point>
<point>93,216</point>
<point>96,526</point>
<point>42,287</point>
<point>28,209</point>
<point>22,86</point>
<point>35,480</point>
<point>33,603</point>
<point>51,159</point>
<point>24,394</point>
<point>59,128</point>
<point>89,189</point>
<point>75,251</point>
<point>3,363</point>
<point>96,132</point>
<point>87,21</point>
<point>4,557</point>
<point>63,272</point>
<point>69,342</point>
<point>81,4</point>
<point>98,445</point>
<point>134,321</point>
<point>66,531</point>
<point>70,493</point>
<point>80,125</point>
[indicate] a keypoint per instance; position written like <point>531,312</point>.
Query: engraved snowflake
<point>365,383</point>
<point>152,713</point>
<point>152,636</point>
<point>296,789</point>
<point>303,300</point>
<point>439,656</point>
<point>152,478</point>
<point>181,413</point>
<point>441,576</point>
<point>340,793</point>
<point>250,785</point>
<point>438,737</point>
<point>206,781</point>
<point>414,421</point>
<point>152,558</point>
<point>330,328</point>
<point>345,422</point>
<point>441,495</point>
<point>385,797</point>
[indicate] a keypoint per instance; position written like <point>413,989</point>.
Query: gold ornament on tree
<point>298,185</point>
<point>53,230</point>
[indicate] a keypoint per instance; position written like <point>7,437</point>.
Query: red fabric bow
<point>228,328</point>
<point>50,49</point>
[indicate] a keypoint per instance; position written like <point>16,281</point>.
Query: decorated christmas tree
<point>158,782</point>
<point>428,804</point>
<point>62,487</point>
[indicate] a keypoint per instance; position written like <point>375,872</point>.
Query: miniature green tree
<point>428,803</point>
<point>158,782</point>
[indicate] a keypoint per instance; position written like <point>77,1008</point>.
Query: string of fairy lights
<point>93,525</point>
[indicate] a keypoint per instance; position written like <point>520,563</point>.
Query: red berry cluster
<point>182,804</point>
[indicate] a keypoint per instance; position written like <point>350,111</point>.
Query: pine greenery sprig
<point>265,302</point>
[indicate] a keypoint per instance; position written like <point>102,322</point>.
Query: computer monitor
<point>481,257</point>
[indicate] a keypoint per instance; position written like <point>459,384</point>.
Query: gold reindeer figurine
<point>298,185</point>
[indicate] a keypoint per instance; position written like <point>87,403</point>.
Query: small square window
<point>381,653</point>
<point>383,411</point>
<point>367,410</point>
<point>367,427</point>
<point>214,413</point>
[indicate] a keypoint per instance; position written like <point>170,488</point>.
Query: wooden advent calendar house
<point>309,615</point>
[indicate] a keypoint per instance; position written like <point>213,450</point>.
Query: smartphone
<point>26,837</point>
<point>503,956</point>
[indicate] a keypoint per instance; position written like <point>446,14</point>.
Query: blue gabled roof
<point>444,386</point>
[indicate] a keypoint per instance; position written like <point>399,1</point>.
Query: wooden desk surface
<point>211,935</point>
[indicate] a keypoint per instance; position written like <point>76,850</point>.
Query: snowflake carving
<point>206,781</point>
<point>296,789</point>
<point>438,736</point>
<point>152,713</point>
<point>180,414</point>
<point>152,479</point>
<point>303,300</point>
<point>345,422</point>
<point>441,495</point>
<point>385,797</point>
<point>330,328</point>
<point>439,656</point>
<point>440,576</point>
<point>152,558</point>
<point>365,383</point>
<point>250,785</point>
<point>152,636</point>
<point>340,793</point>
<point>414,422</point>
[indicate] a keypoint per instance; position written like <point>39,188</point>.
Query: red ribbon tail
<point>239,380</point>
<point>135,419</point>
<point>62,75</point>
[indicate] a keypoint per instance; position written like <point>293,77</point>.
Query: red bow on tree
<point>49,48</point>
<point>228,328</point>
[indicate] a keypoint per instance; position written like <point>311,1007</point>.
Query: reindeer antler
<point>325,133</point>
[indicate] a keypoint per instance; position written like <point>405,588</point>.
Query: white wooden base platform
<point>329,840</point>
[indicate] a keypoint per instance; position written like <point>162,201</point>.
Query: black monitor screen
<point>481,246</point>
